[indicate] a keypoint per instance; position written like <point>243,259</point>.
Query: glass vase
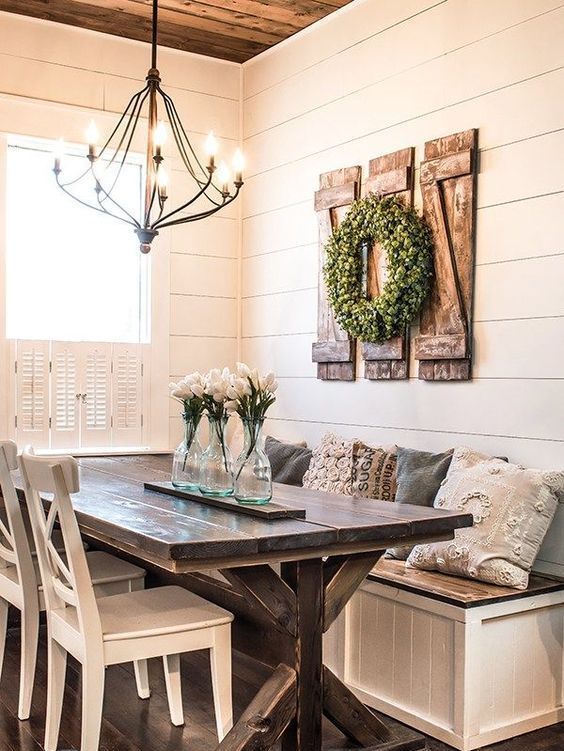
<point>253,474</point>
<point>216,465</point>
<point>187,457</point>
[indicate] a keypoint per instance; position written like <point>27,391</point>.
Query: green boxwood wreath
<point>407,242</point>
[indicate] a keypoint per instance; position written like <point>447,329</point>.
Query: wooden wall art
<point>334,352</point>
<point>448,179</point>
<point>391,174</point>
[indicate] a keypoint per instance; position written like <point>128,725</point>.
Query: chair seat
<point>151,612</point>
<point>104,569</point>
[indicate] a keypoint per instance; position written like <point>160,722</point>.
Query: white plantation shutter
<point>32,393</point>
<point>65,395</point>
<point>127,385</point>
<point>96,405</point>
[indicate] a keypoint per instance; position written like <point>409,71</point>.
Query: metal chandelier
<point>211,185</point>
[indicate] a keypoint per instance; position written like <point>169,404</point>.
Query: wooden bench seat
<point>455,590</point>
<point>466,662</point>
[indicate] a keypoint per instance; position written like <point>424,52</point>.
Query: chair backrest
<point>65,582</point>
<point>14,543</point>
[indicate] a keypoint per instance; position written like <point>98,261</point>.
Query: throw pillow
<point>512,507</point>
<point>374,472</point>
<point>330,468</point>
<point>419,476</point>
<point>289,461</point>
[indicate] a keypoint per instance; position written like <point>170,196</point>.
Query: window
<point>77,307</point>
<point>72,274</point>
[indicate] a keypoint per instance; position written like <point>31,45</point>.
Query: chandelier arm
<point>179,143</point>
<point>180,136</point>
<point>134,117</point>
<point>110,213</point>
<point>109,198</point>
<point>202,190</point>
<point>133,101</point>
<point>202,214</point>
<point>89,205</point>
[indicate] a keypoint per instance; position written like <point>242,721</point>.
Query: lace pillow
<point>331,465</point>
<point>374,472</point>
<point>512,507</point>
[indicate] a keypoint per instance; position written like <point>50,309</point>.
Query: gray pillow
<point>419,476</point>
<point>289,461</point>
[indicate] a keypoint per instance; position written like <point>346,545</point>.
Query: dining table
<point>285,579</point>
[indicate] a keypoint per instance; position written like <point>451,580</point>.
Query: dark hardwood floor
<point>131,724</point>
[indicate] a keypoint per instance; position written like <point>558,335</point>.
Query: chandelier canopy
<point>212,184</point>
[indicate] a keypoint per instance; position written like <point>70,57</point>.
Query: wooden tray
<point>267,511</point>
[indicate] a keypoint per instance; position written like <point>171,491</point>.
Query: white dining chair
<point>20,581</point>
<point>162,622</point>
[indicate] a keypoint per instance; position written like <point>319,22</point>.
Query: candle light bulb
<point>211,147</point>
<point>160,136</point>
<point>223,176</point>
<point>162,182</point>
<point>238,165</point>
<point>92,138</point>
<point>58,152</point>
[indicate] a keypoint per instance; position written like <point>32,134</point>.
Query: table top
<point>182,535</point>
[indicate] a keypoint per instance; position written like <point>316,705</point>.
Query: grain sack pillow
<point>512,508</point>
<point>289,461</point>
<point>330,468</point>
<point>374,472</point>
<point>419,476</point>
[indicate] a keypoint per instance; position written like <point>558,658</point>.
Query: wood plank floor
<point>134,725</point>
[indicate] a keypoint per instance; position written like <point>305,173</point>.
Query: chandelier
<point>212,185</point>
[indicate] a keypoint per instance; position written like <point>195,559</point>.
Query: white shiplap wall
<point>53,80</point>
<point>370,79</point>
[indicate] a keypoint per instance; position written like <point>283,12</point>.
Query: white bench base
<point>466,676</point>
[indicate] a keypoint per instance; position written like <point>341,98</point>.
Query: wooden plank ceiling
<point>229,29</point>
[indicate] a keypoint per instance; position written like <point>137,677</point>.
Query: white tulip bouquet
<point>189,392</point>
<point>251,394</point>
<point>221,393</point>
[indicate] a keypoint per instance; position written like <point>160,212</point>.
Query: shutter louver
<point>96,426</point>
<point>32,393</point>
<point>65,388</point>
<point>127,394</point>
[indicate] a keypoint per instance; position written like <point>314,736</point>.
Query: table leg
<point>281,620</point>
<point>306,579</point>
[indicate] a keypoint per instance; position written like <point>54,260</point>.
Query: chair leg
<point>93,674</point>
<point>56,673</point>
<point>173,688</point>
<point>220,660</point>
<point>30,638</point>
<point>140,667</point>
<point>142,679</point>
<point>4,608</point>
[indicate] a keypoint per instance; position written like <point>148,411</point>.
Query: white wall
<point>370,79</point>
<point>53,80</point>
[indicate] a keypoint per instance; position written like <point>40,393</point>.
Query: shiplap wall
<point>53,80</point>
<point>380,76</point>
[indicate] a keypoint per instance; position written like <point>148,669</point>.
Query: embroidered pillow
<point>419,474</point>
<point>330,468</point>
<point>512,507</point>
<point>374,472</point>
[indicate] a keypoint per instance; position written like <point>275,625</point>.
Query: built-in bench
<point>466,662</point>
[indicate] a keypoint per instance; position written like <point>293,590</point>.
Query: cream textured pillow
<point>331,464</point>
<point>374,472</point>
<point>512,508</point>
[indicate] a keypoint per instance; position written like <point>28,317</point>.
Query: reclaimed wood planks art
<point>334,352</point>
<point>391,174</point>
<point>448,186</point>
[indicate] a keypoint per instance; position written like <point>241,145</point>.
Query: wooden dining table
<point>286,580</point>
